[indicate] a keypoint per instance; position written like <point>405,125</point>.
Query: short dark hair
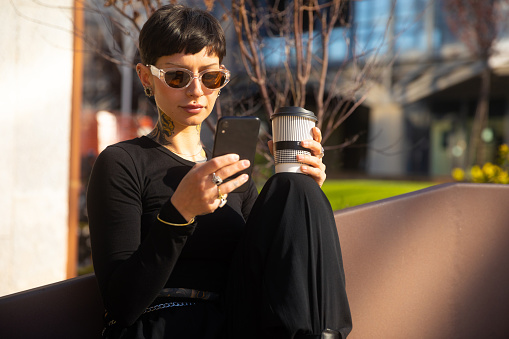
<point>180,29</point>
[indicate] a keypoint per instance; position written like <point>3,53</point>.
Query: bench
<point>428,264</point>
<point>68,309</point>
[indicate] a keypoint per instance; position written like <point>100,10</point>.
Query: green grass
<point>348,193</point>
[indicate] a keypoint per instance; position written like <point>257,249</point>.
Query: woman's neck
<point>185,142</point>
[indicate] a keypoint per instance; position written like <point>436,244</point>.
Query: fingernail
<point>235,157</point>
<point>304,168</point>
<point>245,163</point>
<point>304,143</point>
<point>244,177</point>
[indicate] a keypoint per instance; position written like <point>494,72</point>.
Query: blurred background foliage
<point>496,173</point>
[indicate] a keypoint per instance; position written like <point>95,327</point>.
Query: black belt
<point>173,292</point>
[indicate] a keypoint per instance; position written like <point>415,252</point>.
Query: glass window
<point>370,21</point>
<point>444,35</point>
<point>409,25</point>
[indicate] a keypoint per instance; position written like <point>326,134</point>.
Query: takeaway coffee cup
<point>291,125</point>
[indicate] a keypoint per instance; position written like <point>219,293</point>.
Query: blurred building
<point>418,115</point>
<point>420,118</point>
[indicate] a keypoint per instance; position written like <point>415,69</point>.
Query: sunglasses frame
<point>160,74</point>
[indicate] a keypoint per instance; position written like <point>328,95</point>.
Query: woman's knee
<point>297,182</point>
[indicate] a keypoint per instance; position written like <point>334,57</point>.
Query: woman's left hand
<point>312,164</point>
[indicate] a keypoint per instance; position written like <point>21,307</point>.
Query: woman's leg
<point>287,274</point>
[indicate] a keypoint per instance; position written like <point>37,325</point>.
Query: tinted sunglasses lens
<point>213,79</point>
<point>177,79</point>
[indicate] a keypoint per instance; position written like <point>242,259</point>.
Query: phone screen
<point>237,135</point>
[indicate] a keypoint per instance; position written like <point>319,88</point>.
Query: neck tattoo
<point>165,130</point>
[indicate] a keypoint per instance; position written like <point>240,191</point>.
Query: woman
<point>165,228</point>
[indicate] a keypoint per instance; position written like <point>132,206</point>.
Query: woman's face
<point>188,106</point>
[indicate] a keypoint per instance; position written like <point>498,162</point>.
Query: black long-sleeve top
<point>135,255</point>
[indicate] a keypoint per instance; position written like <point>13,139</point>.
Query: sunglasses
<point>182,77</point>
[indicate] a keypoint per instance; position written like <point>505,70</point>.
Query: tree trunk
<point>476,149</point>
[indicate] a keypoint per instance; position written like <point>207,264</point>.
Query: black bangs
<point>179,29</point>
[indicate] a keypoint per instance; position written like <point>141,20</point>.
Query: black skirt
<point>287,277</point>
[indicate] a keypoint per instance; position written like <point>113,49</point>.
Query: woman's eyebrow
<point>182,66</point>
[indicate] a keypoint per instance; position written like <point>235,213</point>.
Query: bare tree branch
<point>302,29</point>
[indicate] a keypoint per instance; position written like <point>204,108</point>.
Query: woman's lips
<point>193,109</point>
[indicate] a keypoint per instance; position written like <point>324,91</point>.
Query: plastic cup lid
<point>293,111</point>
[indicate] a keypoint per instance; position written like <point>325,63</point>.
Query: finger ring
<point>216,180</point>
<point>223,202</point>
<point>221,197</point>
<point>321,154</point>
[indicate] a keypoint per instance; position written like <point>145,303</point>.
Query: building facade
<point>417,116</point>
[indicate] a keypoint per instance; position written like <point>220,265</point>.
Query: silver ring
<point>221,197</point>
<point>216,180</point>
<point>321,154</point>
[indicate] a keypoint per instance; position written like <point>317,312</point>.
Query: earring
<point>219,93</point>
<point>148,91</point>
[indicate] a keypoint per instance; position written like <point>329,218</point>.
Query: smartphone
<point>237,135</point>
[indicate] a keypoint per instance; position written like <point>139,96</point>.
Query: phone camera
<point>224,126</point>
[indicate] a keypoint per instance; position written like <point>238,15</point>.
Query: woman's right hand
<point>197,194</point>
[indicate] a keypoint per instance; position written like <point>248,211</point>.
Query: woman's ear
<point>144,74</point>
